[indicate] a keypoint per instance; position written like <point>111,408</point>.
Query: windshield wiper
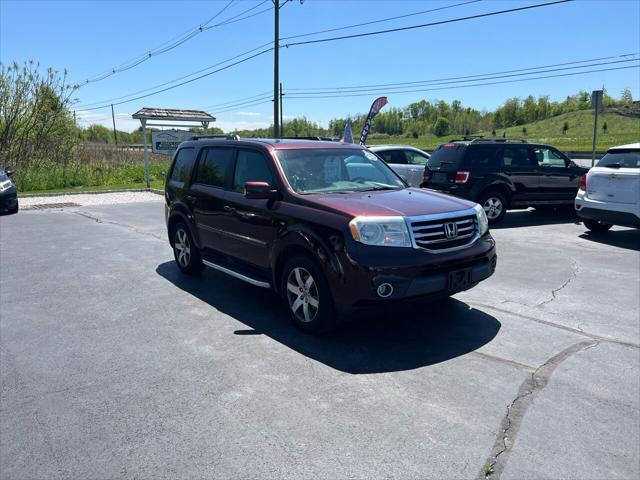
<point>377,187</point>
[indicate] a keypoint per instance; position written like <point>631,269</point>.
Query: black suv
<point>501,174</point>
<point>324,224</point>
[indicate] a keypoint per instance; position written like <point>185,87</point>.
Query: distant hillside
<point>621,129</point>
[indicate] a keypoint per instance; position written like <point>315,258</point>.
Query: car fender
<point>178,211</point>
<point>493,182</point>
<point>299,238</point>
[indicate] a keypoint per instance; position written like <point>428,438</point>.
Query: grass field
<point>579,137</point>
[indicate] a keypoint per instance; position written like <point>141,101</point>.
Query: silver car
<point>405,160</point>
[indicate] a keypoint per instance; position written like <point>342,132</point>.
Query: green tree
<point>626,98</point>
<point>441,127</point>
<point>565,127</point>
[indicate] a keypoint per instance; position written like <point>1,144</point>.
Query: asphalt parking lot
<point>114,365</point>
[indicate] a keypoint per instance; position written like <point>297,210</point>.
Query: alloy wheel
<point>183,248</point>
<point>493,207</point>
<point>302,294</point>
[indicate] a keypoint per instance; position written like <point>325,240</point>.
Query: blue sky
<point>88,38</point>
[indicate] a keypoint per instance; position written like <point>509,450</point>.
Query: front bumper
<point>412,274</point>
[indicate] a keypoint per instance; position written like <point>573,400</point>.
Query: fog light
<point>385,290</point>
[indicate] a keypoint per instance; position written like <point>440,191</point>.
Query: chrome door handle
<point>229,208</point>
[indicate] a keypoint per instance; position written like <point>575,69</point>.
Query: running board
<point>240,276</point>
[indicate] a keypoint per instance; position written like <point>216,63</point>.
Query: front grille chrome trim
<point>425,236</point>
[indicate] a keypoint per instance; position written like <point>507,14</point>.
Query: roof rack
<point>503,140</point>
<point>326,139</point>
<point>231,136</point>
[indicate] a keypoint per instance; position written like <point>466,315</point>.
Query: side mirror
<point>572,164</point>
<point>259,191</point>
<point>9,171</point>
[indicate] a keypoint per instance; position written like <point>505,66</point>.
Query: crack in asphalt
<point>517,409</point>
<point>577,331</point>
<point>554,292</point>
<point>123,225</point>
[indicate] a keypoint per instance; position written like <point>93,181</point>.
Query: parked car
<point>405,160</point>
<point>500,174</point>
<point>8,193</point>
<point>610,192</point>
<point>328,226</point>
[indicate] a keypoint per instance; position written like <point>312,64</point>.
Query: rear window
<point>447,156</point>
<point>183,164</point>
<point>621,159</point>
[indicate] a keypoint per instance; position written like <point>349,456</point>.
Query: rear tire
<point>185,252</point>
<point>495,206</point>
<point>306,296</point>
<point>596,226</point>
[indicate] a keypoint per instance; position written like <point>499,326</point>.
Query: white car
<point>405,160</point>
<point>610,192</point>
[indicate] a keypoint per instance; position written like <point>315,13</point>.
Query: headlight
<point>483,221</point>
<point>381,231</point>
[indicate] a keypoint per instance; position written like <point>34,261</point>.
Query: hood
<point>407,202</point>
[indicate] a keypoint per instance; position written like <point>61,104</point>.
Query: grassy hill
<point>620,130</point>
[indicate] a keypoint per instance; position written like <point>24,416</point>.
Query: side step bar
<point>240,276</point>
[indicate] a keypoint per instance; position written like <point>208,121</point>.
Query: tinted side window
<point>416,158</point>
<point>516,157</point>
<point>548,158</point>
<point>214,166</point>
<point>482,158</point>
<point>251,167</point>
<point>393,156</point>
<point>183,164</point>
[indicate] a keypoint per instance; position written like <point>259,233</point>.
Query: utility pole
<point>596,101</point>
<point>276,68</point>
<point>281,116</point>
<point>113,118</point>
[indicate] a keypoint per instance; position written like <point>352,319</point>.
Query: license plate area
<point>439,177</point>
<point>459,280</point>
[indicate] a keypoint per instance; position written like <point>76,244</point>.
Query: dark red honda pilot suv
<point>327,225</point>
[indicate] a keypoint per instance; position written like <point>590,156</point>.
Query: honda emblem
<point>451,229</point>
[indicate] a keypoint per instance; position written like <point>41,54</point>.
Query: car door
<point>416,164</point>
<point>559,177</point>
<point>208,196</point>
<point>251,223</point>
<point>518,165</point>
<point>398,161</point>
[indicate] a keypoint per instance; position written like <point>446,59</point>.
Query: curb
<point>91,192</point>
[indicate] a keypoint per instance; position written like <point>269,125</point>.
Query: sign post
<point>596,102</point>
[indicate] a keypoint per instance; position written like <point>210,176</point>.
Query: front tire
<point>306,295</point>
<point>494,205</point>
<point>185,252</point>
<point>596,226</point>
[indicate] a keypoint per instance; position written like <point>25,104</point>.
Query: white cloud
<point>248,114</point>
<point>231,125</point>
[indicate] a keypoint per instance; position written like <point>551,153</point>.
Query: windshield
<point>621,159</point>
<point>334,170</point>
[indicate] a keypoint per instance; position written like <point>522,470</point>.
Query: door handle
<point>229,208</point>
<point>191,199</point>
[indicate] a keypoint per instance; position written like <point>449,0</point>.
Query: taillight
<point>583,182</point>
<point>426,174</point>
<point>462,177</point>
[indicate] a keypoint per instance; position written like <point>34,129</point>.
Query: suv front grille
<point>438,233</point>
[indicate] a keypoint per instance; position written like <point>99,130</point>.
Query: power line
<point>347,87</point>
<point>186,81</point>
<point>379,20</point>
<point>217,112</point>
<point>223,104</point>
<point>174,80</point>
<point>401,86</point>
<point>291,97</point>
<point>425,25</point>
<point>182,39</point>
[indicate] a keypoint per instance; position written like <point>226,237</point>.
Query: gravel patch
<point>86,199</point>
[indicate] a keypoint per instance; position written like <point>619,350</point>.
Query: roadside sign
<point>596,101</point>
<point>166,142</point>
